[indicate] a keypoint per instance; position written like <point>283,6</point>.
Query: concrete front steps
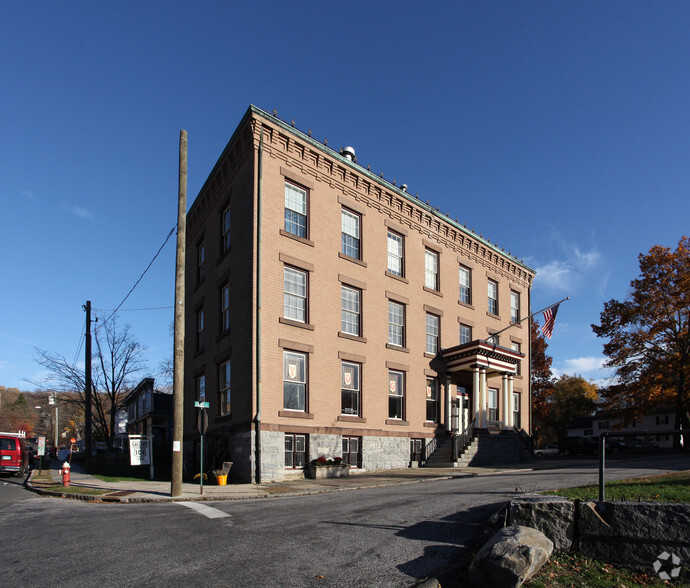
<point>485,449</point>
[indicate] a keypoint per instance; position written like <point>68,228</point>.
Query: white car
<point>547,450</point>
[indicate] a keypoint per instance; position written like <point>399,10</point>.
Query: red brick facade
<point>269,274</point>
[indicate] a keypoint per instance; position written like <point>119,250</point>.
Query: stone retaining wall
<point>653,537</point>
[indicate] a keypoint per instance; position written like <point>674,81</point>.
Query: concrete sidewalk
<point>153,491</point>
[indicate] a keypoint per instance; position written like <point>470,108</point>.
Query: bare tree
<point>117,360</point>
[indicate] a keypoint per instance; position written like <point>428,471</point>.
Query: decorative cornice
<point>313,159</point>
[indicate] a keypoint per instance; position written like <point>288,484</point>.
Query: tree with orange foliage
<point>649,337</point>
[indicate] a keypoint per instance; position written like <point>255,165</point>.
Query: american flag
<point>549,320</point>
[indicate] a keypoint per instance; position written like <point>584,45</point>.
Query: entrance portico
<point>483,360</point>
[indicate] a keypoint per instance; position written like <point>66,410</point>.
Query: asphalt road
<point>392,536</point>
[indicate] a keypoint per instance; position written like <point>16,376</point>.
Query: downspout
<point>257,419</point>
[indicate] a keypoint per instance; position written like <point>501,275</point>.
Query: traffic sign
<point>201,405</point>
<point>202,422</point>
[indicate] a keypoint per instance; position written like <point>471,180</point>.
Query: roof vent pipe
<point>348,153</point>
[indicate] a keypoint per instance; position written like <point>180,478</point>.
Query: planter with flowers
<point>328,468</point>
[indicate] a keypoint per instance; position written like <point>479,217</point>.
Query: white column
<point>511,408</point>
<point>484,397</point>
<point>505,404</point>
<point>449,416</point>
<point>476,393</point>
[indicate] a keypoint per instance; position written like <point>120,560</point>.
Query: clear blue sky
<point>558,129</point>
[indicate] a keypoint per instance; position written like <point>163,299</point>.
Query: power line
<point>135,309</point>
<point>139,280</point>
<point>81,342</point>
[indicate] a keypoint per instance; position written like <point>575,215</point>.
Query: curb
<point>107,499</point>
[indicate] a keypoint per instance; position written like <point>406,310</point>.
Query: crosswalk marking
<point>207,511</point>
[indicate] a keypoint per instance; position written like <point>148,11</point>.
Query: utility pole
<point>87,391</point>
<point>178,357</point>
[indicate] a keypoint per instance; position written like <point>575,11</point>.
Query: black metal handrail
<point>465,438</point>
<point>527,441</point>
<point>429,448</point>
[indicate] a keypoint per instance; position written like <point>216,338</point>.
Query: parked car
<point>578,446</point>
<point>14,456</point>
<point>551,449</point>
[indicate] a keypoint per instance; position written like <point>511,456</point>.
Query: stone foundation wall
<point>272,455</point>
<point>385,453</point>
<point>378,453</point>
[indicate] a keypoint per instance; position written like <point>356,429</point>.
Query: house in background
<point>659,419</point>
<point>331,313</point>
<point>581,427</point>
<point>149,411</point>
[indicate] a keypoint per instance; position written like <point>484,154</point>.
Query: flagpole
<point>529,316</point>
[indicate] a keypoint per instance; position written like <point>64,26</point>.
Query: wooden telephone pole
<point>87,385</point>
<point>178,358</point>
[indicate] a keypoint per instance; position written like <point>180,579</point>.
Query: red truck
<point>14,456</point>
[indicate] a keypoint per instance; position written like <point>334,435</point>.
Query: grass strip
<point>120,478</point>
<point>673,487</point>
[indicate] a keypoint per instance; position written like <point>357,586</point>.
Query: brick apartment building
<point>329,312</point>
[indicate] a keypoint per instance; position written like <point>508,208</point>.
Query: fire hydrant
<point>65,474</point>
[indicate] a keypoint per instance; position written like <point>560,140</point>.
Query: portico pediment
<point>494,358</point>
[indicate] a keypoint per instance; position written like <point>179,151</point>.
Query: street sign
<point>201,404</point>
<point>139,451</point>
<point>41,446</point>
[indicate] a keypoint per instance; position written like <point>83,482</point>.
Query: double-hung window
<point>432,400</point>
<point>224,387</point>
<point>516,347</point>
<point>396,395</point>
<point>201,388</point>
<point>431,269</point>
<point>516,410</point>
<point>395,253</point>
<point>295,451</point>
<point>352,451</point>
<point>465,285</point>
<point>350,311</point>
<point>294,381</point>
<point>295,210</point>
<point>225,229</point>
<point>396,323</point>
<point>433,322</point>
<point>295,294</point>
<point>493,405</point>
<point>225,308</point>
<point>514,307</point>
<point>492,291</point>
<point>350,388</point>
<point>350,227</point>
<point>465,333</point>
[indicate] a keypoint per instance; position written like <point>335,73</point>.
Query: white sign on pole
<point>139,450</point>
<point>41,446</point>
